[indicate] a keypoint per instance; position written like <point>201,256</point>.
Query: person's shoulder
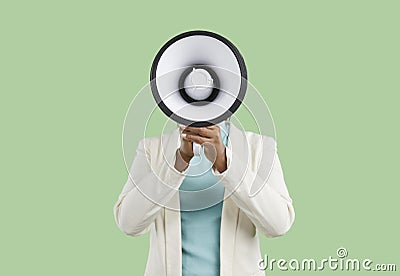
<point>258,140</point>
<point>155,141</point>
<point>253,137</point>
<point>258,136</point>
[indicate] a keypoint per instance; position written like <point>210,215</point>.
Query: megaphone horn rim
<point>231,109</point>
<point>232,47</point>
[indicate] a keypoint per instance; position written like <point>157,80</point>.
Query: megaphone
<point>198,78</point>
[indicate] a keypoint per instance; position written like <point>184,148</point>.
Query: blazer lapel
<point>172,216</point>
<point>229,218</point>
<point>230,213</point>
<point>173,245</point>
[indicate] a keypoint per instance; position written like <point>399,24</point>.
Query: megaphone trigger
<point>196,149</point>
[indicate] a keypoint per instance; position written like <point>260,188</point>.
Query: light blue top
<point>201,215</point>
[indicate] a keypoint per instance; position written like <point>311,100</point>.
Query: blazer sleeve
<point>145,192</point>
<point>271,209</point>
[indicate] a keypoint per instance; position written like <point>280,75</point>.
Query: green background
<point>329,71</point>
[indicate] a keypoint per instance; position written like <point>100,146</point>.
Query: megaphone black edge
<point>235,105</point>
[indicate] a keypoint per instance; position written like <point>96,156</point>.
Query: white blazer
<point>149,201</point>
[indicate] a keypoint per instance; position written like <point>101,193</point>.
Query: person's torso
<point>201,201</point>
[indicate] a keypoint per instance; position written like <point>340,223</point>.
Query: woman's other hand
<point>186,149</point>
<point>185,153</point>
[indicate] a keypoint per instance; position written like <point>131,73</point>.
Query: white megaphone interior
<point>198,50</point>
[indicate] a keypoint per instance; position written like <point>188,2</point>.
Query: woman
<point>190,234</point>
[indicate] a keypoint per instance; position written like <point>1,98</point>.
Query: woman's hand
<point>184,154</point>
<point>210,138</point>
<point>186,149</point>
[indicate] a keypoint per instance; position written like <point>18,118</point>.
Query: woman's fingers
<point>201,131</point>
<point>184,137</point>
<point>213,127</point>
<point>195,138</point>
